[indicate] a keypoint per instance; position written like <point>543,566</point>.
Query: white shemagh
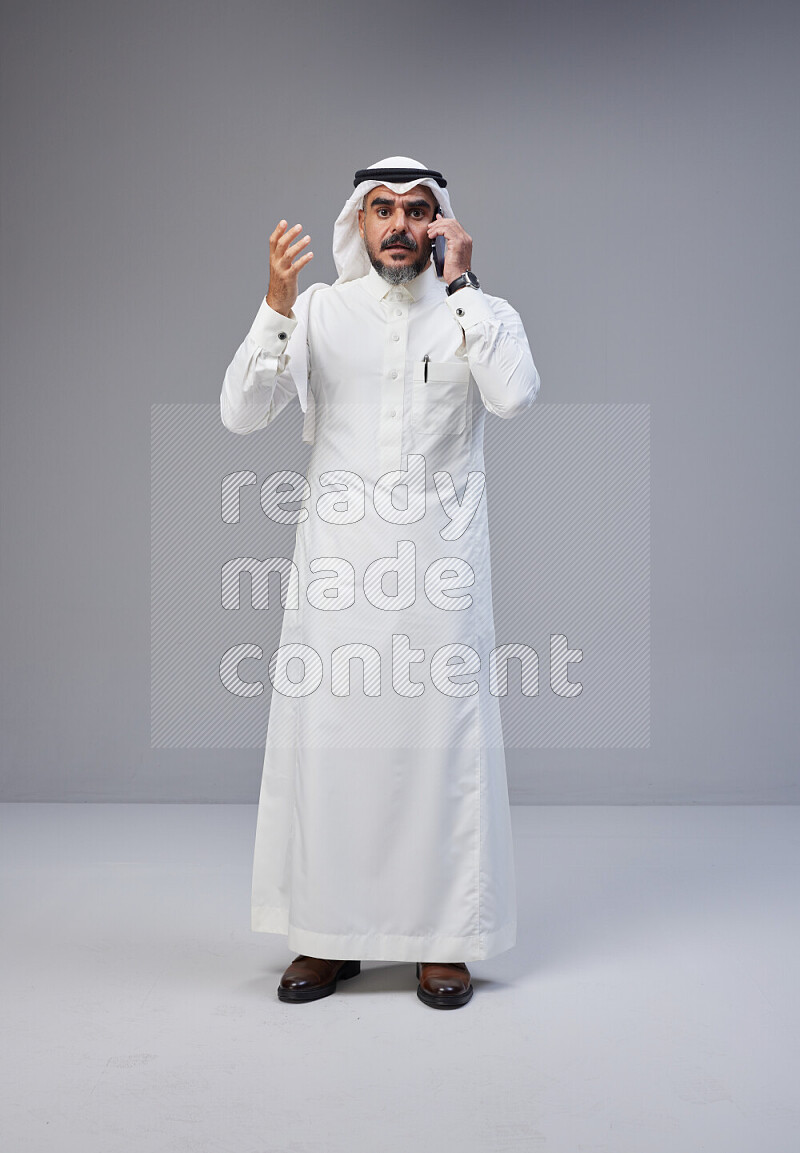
<point>350,255</point>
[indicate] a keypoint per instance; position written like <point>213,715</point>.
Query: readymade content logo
<point>284,581</point>
<point>343,500</point>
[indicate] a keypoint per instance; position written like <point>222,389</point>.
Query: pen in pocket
<point>425,360</point>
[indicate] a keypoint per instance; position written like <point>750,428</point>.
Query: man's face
<point>395,231</point>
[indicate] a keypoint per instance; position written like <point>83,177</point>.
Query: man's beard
<point>398,273</point>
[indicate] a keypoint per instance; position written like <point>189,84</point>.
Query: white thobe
<point>383,827</point>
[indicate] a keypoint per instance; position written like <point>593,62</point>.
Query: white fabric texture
<point>383,827</point>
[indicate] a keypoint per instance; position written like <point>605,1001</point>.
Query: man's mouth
<point>398,246</point>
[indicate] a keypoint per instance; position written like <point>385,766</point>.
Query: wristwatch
<point>467,278</point>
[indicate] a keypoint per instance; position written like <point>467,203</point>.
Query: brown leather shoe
<point>309,978</point>
<point>443,986</point>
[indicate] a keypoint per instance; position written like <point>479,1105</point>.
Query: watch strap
<point>466,278</point>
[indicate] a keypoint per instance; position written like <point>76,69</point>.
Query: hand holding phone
<point>453,257</point>
<point>438,249</point>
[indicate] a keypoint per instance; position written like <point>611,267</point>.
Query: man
<point>383,826</point>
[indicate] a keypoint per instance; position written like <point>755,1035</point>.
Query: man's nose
<point>399,220</point>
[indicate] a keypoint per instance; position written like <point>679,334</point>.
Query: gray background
<point>630,176</point>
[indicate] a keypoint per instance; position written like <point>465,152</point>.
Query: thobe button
<point>394,374</point>
<point>393,412</point>
<point>398,312</point>
<point>395,336</point>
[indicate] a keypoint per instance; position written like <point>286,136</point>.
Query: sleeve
<point>497,349</point>
<point>257,383</point>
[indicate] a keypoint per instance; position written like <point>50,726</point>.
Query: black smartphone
<point>438,249</point>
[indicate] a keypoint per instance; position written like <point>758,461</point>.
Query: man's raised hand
<point>283,267</point>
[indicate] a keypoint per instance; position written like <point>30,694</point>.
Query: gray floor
<point>650,1005</point>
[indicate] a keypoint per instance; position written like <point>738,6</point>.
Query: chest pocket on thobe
<point>439,404</point>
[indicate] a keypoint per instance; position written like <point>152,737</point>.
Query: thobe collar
<point>423,285</point>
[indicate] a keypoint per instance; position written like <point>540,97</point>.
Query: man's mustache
<point>402,239</point>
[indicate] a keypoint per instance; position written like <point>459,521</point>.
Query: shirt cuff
<point>469,306</point>
<point>271,330</point>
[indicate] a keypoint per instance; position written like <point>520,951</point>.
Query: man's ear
<point>361,223</point>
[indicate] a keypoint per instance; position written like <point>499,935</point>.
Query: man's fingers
<point>293,269</point>
<point>280,238</point>
<point>273,236</point>
<point>441,225</point>
<point>287,238</point>
<point>293,251</point>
